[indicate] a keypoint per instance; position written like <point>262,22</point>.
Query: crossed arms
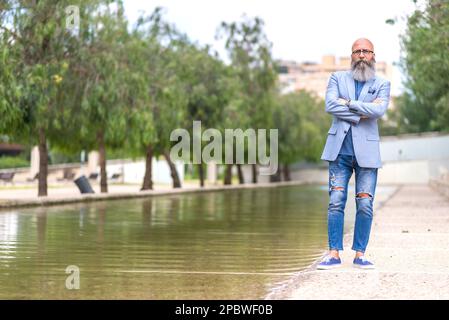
<point>356,110</point>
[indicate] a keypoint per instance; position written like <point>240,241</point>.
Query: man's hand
<point>378,101</point>
<point>342,101</point>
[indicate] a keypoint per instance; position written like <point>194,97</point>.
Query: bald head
<point>363,43</point>
<point>363,60</point>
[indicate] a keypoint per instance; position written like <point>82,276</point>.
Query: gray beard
<point>363,70</point>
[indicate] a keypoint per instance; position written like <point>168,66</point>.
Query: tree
<point>161,52</point>
<point>146,59</point>
<point>36,50</point>
<point>250,53</point>
<point>170,108</point>
<point>109,90</point>
<point>425,104</point>
<point>302,128</point>
<point>235,116</point>
<point>207,84</point>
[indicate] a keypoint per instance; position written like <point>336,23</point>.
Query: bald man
<point>356,99</point>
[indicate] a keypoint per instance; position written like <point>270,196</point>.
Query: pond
<point>236,244</point>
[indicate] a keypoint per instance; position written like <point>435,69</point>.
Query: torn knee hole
<point>363,195</point>
<point>338,188</point>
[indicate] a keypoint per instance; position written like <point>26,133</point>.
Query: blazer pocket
<point>372,137</point>
<point>332,130</point>
<point>371,97</point>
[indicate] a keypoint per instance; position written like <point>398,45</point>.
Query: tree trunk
<point>173,171</point>
<point>201,174</point>
<point>254,167</point>
<point>228,175</point>
<point>147,212</point>
<point>102,153</point>
<point>287,176</point>
<point>41,230</point>
<point>240,174</point>
<point>148,178</point>
<point>43,164</point>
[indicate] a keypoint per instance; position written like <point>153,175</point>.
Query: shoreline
<point>408,244</point>
<point>80,198</point>
<point>286,291</point>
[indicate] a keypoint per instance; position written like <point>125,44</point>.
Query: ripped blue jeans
<point>340,171</point>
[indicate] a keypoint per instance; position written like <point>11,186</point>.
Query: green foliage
<point>134,86</point>
<point>59,157</point>
<point>255,77</point>
<point>13,162</point>
<point>302,126</point>
<point>425,104</point>
<point>35,50</point>
<point>102,72</point>
<point>250,53</point>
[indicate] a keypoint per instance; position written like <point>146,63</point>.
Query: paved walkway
<point>69,189</point>
<point>19,195</point>
<point>409,244</point>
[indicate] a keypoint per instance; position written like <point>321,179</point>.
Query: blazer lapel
<point>365,88</point>
<point>350,85</point>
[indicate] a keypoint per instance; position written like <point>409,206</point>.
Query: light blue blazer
<point>365,133</point>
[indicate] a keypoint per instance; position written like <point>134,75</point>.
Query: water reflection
<point>214,245</point>
<point>8,236</point>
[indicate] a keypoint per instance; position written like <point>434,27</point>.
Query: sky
<point>300,30</point>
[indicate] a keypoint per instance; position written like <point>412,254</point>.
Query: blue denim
<point>340,171</point>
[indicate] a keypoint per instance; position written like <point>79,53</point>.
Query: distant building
<point>314,77</point>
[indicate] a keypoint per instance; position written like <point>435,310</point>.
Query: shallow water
<point>236,244</point>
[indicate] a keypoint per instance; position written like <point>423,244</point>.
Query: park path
<point>409,244</point>
<point>24,196</point>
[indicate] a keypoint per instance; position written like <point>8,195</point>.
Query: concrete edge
<point>285,290</point>
<point>49,201</point>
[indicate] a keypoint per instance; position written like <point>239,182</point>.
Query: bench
<point>67,175</point>
<point>93,176</point>
<point>115,177</point>
<point>6,176</point>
